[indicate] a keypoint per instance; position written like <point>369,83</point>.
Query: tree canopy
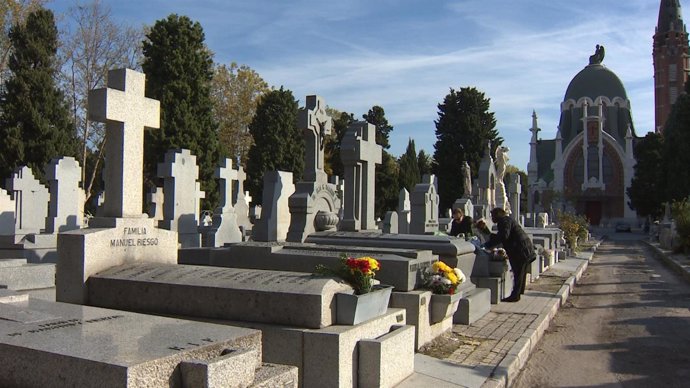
<point>35,124</point>
<point>235,93</point>
<point>278,143</point>
<point>644,191</point>
<point>463,128</point>
<point>179,70</point>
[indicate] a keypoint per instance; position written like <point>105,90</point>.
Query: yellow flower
<point>451,276</point>
<point>440,266</point>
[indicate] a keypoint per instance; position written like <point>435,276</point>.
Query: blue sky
<point>404,55</point>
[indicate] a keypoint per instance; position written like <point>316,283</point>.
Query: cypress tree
<point>676,157</point>
<point>645,196</point>
<point>35,123</point>
<point>179,71</point>
<point>278,143</point>
<point>409,169</point>
<point>463,128</point>
<point>387,186</point>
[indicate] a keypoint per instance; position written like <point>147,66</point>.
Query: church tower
<point>670,54</point>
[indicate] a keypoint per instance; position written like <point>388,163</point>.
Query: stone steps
<point>16,274</point>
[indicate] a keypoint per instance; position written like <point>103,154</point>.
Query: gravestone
<point>156,199</point>
<point>284,298</point>
<point>49,344</point>
<point>360,154</point>
<point>314,205</point>
<point>275,214</point>
<point>181,205</point>
<point>123,234</point>
<point>239,199</point>
<point>542,220</point>
<point>66,210</point>
<point>424,204</point>
<point>31,202</point>
<point>224,227</point>
<point>390,223</point>
<point>7,208</point>
<point>404,211</point>
<point>514,190</point>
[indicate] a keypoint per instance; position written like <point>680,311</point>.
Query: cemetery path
<point>627,323</point>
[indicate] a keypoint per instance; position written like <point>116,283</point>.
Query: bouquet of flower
<point>358,272</point>
<point>442,279</point>
<point>498,254</point>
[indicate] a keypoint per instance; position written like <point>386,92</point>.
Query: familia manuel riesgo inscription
<point>133,237</point>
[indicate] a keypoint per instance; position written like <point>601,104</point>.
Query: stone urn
<point>325,221</point>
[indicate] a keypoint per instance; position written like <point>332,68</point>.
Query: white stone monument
<point>66,210</point>
<point>224,227</point>
<point>360,155</point>
<point>275,213</point>
<point>314,205</point>
<point>424,202</point>
<point>31,202</point>
<point>182,192</point>
<point>404,211</point>
<point>123,234</point>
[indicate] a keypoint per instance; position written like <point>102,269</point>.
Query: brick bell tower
<point>670,54</point>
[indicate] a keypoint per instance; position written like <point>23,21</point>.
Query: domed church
<point>589,165</point>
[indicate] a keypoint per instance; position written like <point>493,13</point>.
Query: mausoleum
<point>589,165</point>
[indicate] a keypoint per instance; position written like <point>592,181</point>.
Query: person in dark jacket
<point>518,247</point>
<point>460,224</point>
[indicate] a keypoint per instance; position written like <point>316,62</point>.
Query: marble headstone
<point>31,201</point>
<point>424,203</point>
<point>224,226</point>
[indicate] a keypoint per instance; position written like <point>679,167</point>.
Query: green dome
<point>594,81</point>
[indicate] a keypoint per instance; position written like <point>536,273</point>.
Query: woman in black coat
<point>518,247</point>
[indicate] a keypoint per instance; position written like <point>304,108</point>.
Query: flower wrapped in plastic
<point>442,279</point>
<point>358,272</point>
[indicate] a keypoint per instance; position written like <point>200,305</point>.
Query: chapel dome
<point>595,81</point>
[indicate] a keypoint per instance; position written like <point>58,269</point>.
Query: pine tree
<point>409,169</point>
<point>179,71</point>
<point>463,128</point>
<point>377,116</point>
<point>35,124</point>
<point>644,193</point>
<point>386,180</point>
<point>278,143</point>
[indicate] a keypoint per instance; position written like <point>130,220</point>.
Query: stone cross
<point>126,111</point>
<point>31,201</point>
<point>182,192</point>
<point>316,124</point>
<point>514,191</point>
<point>226,175</point>
<point>239,201</point>
<point>360,154</point>
<point>66,207</point>
<point>156,199</point>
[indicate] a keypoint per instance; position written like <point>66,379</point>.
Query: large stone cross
<point>360,155</point>
<point>126,111</point>
<point>316,124</point>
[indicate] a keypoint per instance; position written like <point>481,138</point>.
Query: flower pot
<point>353,309</point>
<point>443,306</point>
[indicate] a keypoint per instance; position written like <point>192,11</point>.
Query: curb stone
<point>511,365</point>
